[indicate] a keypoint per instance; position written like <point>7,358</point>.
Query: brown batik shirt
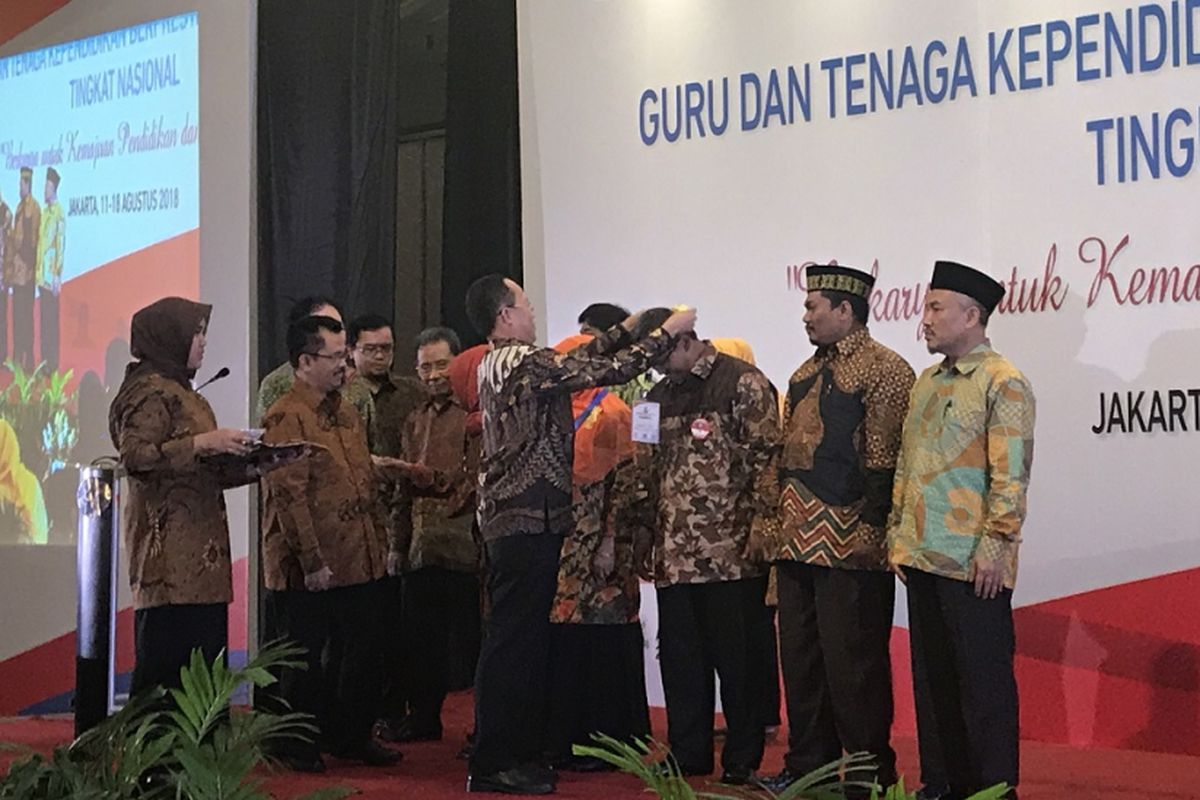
<point>525,481</point>
<point>176,528</point>
<point>843,418</point>
<point>395,399</point>
<point>698,489</point>
<point>432,523</point>
<point>322,511</point>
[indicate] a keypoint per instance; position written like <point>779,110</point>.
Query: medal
<point>701,429</point>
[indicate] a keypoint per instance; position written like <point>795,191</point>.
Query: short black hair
<point>486,298</point>
<point>603,316</point>
<point>440,334</point>
<point>305,306</point>
<point>305,335</point>
<point>365,322</point>
<point>858,304</point>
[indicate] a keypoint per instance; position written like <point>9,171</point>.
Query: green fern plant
<point>187,742</point>
<point>651,762</point>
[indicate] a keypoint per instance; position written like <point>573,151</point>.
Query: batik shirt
<point>21,255</point>
<point>51,246</point>
<point>173,513</point>
<point>964,467</point>
<point>843,417</point>
<point>323,510</point>
<point>698,489</point>
<point>525,391</point>
<point>432,523</point>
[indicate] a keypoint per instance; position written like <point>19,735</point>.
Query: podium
<point>97,562</point>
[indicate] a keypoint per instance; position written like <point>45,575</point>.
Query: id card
<point>645,423</point>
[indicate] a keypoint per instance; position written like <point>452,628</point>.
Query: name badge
<point>646,423</point>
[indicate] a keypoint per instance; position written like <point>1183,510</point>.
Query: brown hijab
<point>160,338</point>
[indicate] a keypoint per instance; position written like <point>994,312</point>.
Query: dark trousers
<point>834,629</point>
<point>165,636</point>
<point>598,680</point>
<point>512,680</point>
<point>966,692</point>
<point>48,322</point>
<point>341,631</point>
<point>22,317</point>
<point>394,702</point>
<point>704,627</point>
<point>768,660</point>
<point>437,602</point>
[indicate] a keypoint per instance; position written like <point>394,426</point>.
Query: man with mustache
<point>325,553</point>
<point>958,505</point>
<point>844,411</point>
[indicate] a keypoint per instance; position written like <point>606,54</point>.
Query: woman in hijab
<point>20,490</point>
<point>176,529</point>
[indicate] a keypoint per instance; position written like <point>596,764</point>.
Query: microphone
<point>223,372</point>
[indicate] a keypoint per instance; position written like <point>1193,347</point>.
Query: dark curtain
<point>327,130</point>
<point>482,224</point>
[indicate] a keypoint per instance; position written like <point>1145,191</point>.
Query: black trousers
<point>49,325</point>
<point>966,692</point>
<point>512,680</point>
<point>598,680</point>
<point>834,629</point>
<point>768,661</point>
<point>341,629</point>
<point>165,636</point>
<point>436,603</point>
<point>704,627</point>
<point>394,700</point>
<point>22,323</point>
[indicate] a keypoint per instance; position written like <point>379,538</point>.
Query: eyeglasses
<point>376,350</point>
<point>340,356</point>
<point>430,366</point>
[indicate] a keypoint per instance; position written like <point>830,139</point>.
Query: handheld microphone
<point>223,372</point>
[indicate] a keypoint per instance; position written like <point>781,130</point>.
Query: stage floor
<point>1049,772</point>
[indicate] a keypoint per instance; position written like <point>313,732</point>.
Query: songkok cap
<point>834,278</point>
<point>26,172</point>
<point>960,278</point>
<point>52,176</point>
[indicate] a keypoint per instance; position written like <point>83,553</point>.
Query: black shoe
<point>541,771</point>
<point>517,780</point>
<point>737,776</point>
<point>933,791</point>
<point>313,765</point>
<point>371,753</point>
<point>408,731</point>
<point>585,764</point>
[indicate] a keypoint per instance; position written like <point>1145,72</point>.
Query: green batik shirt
<point>964,466</point>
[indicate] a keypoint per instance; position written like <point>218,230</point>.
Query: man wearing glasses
<point>325,553</point>
<point>392,398</point>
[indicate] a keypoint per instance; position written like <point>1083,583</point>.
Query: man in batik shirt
<point>50,254</point>
<point>696,489</point>
<point>842,421</point>
<point>954,530</point>
<point>525,510</point>
<point>22,265</point>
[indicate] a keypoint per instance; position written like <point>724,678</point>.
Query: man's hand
<point>394,566</point>
<point>761,543</point>
<point>683,321</point>
<point>222,440</point>
<point>319,580</point>
<point>643,556</point>
<point>988,576</point>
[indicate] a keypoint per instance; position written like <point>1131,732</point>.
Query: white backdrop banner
<point>703,152</point>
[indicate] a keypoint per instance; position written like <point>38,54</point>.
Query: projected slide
<point>99,215</point>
